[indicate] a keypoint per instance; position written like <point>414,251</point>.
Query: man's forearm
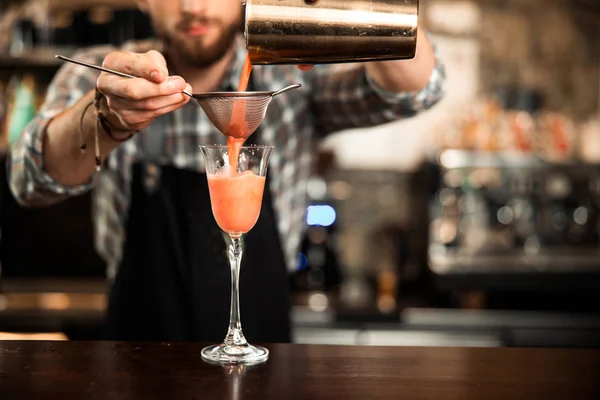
<point>405,75</point>
<point>63,159</point>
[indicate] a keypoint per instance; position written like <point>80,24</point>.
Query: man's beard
<point>193,50</point>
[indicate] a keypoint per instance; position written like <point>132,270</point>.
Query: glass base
<point>247,354</point>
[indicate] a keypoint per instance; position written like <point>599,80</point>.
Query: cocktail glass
<point>236,199</point>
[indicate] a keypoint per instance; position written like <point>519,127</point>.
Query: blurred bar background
<point>476,223</point>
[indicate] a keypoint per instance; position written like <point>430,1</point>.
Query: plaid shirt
<point>333,98</point>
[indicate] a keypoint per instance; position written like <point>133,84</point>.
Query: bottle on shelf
<point>22,105</point>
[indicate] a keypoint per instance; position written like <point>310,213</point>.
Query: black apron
<point>173,283</point>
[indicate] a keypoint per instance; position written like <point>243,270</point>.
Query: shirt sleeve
<point>29,183</point>
<point>346,96</point>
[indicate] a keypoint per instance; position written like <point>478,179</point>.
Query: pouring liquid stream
<point>238,126</point>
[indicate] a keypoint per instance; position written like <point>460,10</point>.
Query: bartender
<point>154,227</point>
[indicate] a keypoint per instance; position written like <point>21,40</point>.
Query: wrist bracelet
<point>103,120</point>
<point>82,145</point>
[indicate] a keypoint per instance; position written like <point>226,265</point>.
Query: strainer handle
<point>285,89</point>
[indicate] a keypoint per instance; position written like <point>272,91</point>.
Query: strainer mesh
<point>236,116</point>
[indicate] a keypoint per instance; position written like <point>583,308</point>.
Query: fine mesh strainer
<point>237,114</point>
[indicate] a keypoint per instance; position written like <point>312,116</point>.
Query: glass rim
<point>224,146</point>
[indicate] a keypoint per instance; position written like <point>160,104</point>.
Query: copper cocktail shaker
<point>330,31</point>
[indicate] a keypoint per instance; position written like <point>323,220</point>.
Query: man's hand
<point>133,103</point>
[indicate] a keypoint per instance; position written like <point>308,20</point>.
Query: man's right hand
<point>133,103</point>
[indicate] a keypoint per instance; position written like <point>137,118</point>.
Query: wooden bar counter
<point>35,370</point>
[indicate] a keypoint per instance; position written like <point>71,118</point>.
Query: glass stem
<point>235,336</point>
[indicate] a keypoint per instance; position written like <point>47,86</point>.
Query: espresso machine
<point>516,207</point>
<point>494,214</point>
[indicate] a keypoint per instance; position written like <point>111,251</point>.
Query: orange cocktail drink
<point>236,192</point>
<point>236,200</point>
